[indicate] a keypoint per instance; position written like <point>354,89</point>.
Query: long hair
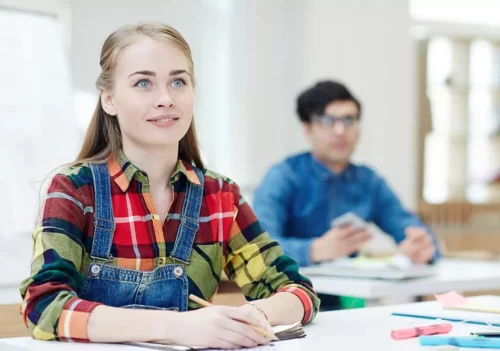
<point>103,135</point>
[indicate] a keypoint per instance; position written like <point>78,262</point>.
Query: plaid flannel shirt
<point>229,239</point>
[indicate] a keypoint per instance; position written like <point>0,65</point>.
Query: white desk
<point>369,329</point>
<point>354,330</point>
<point>453,274</point>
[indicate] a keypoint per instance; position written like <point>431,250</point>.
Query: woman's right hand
<point>218,327</point>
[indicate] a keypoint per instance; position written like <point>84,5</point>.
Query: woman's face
<point>152,96</point>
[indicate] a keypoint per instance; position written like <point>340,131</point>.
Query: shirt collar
<point>123,171</point>
<point>324,173</point>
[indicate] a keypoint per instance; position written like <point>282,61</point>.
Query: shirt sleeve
<point>271,203</point>
<point>258,265</point>
<point>393,218</point>
<point>51,308</point>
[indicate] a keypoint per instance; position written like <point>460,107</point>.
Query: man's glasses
<point>329,121</point>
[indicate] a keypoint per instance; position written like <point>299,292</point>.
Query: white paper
<point>287,345</point>
<point>280,328</point>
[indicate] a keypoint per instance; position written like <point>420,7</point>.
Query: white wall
<point>366,44</point>
<point>252,59</point>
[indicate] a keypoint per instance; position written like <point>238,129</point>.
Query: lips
<point>163,121</point>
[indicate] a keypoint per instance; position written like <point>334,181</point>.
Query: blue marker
<point>461,341</point>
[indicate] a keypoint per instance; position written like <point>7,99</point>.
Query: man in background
<point>299,197</point>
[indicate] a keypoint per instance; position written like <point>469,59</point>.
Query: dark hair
<point>315,99</point>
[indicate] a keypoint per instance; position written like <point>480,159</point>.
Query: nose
<point>164,99</point>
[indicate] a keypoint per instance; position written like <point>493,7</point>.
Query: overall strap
<point>104,224</point>
<point>189,219</point>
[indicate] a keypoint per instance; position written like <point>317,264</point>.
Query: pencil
<point>259,330</point>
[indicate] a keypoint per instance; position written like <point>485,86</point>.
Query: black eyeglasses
<point>330,121</point>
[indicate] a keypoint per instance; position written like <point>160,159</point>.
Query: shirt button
<point>160,261</point>
<point>95,270</point>
<point>178,271</point>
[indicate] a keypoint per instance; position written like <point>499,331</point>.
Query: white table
<point>453,274</point>
<point>354,330</point>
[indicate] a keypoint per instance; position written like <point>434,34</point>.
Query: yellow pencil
<point>204,303</point>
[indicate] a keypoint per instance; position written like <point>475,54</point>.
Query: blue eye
<point>143,83</point>
<point>178,83</point>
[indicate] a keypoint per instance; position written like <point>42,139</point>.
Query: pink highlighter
<point>401,334</point>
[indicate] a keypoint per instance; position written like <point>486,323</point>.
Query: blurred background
<point>427,72</point>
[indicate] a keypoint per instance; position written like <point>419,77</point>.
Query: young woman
<point>137,224</point>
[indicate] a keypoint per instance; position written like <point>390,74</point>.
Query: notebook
<point>482,310</point>
<point>285,333</point>
<point>395,267</point>
<point>454,301</point>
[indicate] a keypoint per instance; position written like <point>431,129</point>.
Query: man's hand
<point>338,242</point>
<point>418,245</point>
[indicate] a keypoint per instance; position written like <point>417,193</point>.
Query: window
<point>461,160</point>
<point>462,152</point>
<point>483,12</point>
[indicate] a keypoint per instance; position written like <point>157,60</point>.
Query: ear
<point>107,102</point>
<point>307,130</point>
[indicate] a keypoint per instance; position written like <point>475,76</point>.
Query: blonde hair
<point>103,135</point>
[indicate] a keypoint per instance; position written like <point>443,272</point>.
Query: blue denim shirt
<point>298,199</point>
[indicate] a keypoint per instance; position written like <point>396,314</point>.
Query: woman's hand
<point>219,327</point>
<point>264,323</point>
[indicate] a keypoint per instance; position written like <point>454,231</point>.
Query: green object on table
<point>348,302</point>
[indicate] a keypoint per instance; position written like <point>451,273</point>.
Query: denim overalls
<point>166,287</point>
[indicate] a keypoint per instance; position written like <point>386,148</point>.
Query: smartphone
<point>349,219</point>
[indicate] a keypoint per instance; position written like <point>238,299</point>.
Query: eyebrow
<point>153,74</point>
